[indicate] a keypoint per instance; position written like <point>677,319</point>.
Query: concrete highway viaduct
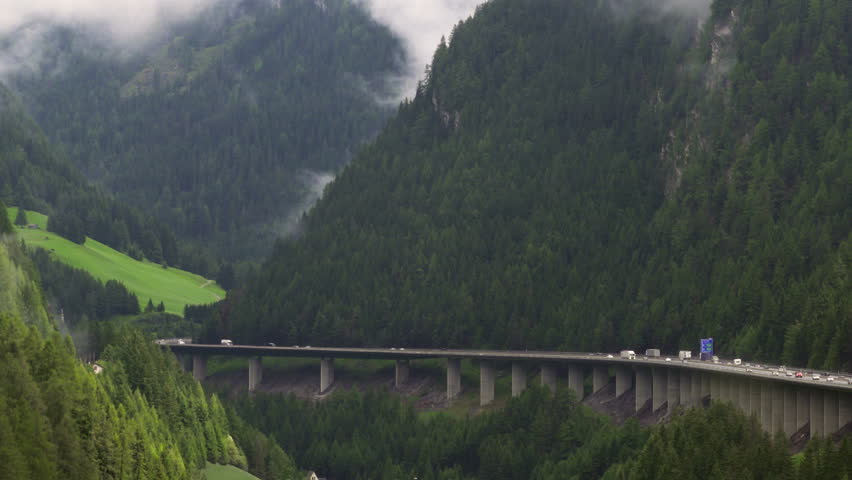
<point>780,403</point>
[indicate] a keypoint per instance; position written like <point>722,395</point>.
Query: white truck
<point>628,354</point>
<point>227,342</point>
<point>652,352</point>
<point>684,354</point>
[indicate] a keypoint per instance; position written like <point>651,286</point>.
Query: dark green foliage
<point>212,129</point>
<point>378,436</point>
<point>718,442</point>
<point>568,178</point>
<point>21,217</point>
<point>35,177</point>
<point>6,226</point>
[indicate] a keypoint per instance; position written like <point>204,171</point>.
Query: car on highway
<point>748,369</point>
<point>609,356</point>
<point>815,376</point>
<point>775,373</point>
<point>799,375</point>
<point>829,379</point>
<point>738,361</point>
<point>668,359</point>
<point>789,374</point>
<point>270,344</point>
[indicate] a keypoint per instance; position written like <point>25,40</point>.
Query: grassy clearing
<point>226,472</point>
<point>174,287</point>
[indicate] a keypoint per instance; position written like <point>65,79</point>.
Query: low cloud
<point>420,24</point>
<point>313,186</point>
<point>122,19</point>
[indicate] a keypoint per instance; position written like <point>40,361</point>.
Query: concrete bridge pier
<point>752,403</point>
<point>789,411</point>
<point>255,373</point>
<point>199,367</point>
<point>829,412</point>
<point>766,406</point>
<point>685,394</point>
<point>548,376</point>
<point>844,409</point>
<point>748,394</point>
<point>706,382</point>
<point>600,378</point>
<point>623,380</point>
<point>672,390</point>
<point>715,389</point>
<point>519,378</point>
<point>576,380</point>
<point>453,378</point>
<point>401,373</point>
<point>644,387</point>
<point>817,416</point>
<point>777,408</point>
<point>487,375</point>
<point>803,407</point>
<point>185,362</point>
<point>326,374</point>
<point>695,389</point>
<point>659,387</point>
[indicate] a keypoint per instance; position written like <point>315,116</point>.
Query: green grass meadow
<point>226,472</point>
<point>174,287</point>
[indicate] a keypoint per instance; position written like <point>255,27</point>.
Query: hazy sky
<point>122,18</point>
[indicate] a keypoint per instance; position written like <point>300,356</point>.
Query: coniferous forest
<point>584,175</point>
<point>569,176</point>
<point>220,128</point>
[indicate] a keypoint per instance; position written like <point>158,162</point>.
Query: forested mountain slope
<point>140,418</point>
<point>33,175</point>
<point>573,176</point>
<point>223,128</point>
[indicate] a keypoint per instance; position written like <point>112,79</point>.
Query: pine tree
<point>21,217</point>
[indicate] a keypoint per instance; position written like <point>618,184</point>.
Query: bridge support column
<point>754,400</point>
<point>199,367</point>
<point>817,416</point>
<point>725,388</point>
<point>659,390</point>
<point>255,373</point>
<point>789,411</point>
<point>326,374</point>
<point>453,378</point>
<point>600,378</point>
<point>844,409</point>
<point>705,386</point>
<point>401,373</point>
<point>803,407</point>
<point>548,376</point>
<point>672,390</point>
<point>185,361</point>
<point>519,378</point>
<point>487,374</point>
<point>829,412</point>
<point>695,389</point>
<point>748,396</point>
<point>623,380</point>
<point>644,387</point>
<point>777,408</point>
<point>576,380</point>
<point>766,406</point>
<point>715,388</point>
<point>685,382</point>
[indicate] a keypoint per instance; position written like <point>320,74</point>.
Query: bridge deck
<point>589,359</point>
